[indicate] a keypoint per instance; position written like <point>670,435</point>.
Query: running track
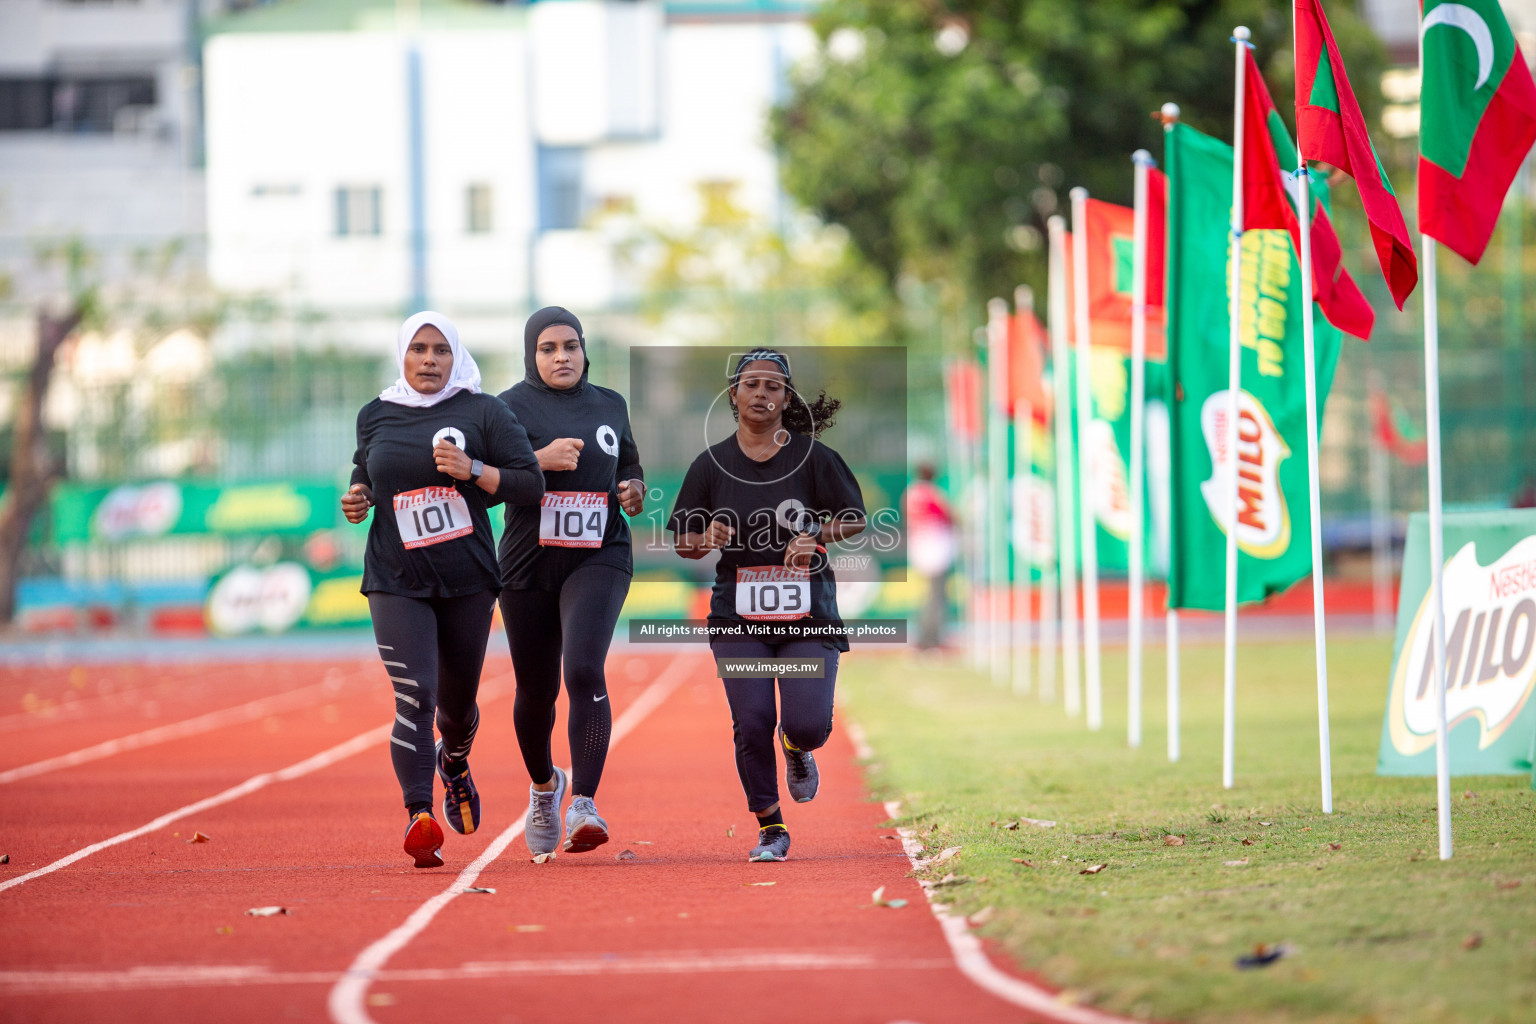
<point>109,914</point>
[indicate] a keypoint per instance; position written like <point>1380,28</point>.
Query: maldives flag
<point>1111,269</point>
<point>1267,203</point>
<point>1331,129</point>
<point>962,391</point>
<point>1477,121</point>
<point>1026,365</point>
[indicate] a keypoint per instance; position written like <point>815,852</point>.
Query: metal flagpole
<point>999,625</point>
<point>1436,539</point>
<point>1141,160</point>
<point>1234,388</point>
<point>1023,512</point>
<point>1170,114</point>
<point>1314,482</point>
<point>1087,513</point>
<point>1066,519</point>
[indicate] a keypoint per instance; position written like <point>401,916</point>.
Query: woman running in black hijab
<point>565,569</point>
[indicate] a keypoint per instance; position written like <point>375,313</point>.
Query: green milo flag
<point>1273,517</point>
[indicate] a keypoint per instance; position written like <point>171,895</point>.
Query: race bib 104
<point>431,515</point>
<point>773,593</point>
<point>573,519</point>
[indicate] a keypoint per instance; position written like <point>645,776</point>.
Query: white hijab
<point>465,375</point>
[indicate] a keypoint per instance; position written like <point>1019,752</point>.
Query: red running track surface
<point>155,929</point>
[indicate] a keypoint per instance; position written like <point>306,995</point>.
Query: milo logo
<point>1263,519</point>
<point>1490,621</point>
<point>1109,484</point>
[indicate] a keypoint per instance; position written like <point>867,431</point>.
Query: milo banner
<point>1034,505</point>
<point>1490,659</point>
<point>1273,520</point>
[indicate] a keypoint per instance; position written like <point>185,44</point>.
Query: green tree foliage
<point>941,135</point>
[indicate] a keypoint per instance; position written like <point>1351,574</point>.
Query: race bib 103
<point>773,593</point>
<point>431,515</point>
<point>573,519</point>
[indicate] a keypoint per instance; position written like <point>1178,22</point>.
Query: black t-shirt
<point>450,552</point>
<point>757,499</point>
<point>599,419</point>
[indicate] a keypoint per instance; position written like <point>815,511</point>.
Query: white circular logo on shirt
<point>453,434</point>
<point>607,440</point>
<point>791,514</point>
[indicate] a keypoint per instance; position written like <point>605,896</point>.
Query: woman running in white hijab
<point>437,452</point>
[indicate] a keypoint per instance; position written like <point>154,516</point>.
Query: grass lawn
<point>1381,930</point>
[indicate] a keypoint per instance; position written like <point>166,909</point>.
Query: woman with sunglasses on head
<point>770,498</point>
<point>566,567</point>
<point>436,453</point>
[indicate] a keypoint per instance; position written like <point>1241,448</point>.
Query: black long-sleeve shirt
<point>431,534</point>
<point>599,418</point>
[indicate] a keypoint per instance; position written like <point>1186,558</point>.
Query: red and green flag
<point>1111,247</point>
<point>1268,153</point>
<point>1331,129</point>
<point>1027,343</point>
<point>1477,121</point>
<point>1395,432</point>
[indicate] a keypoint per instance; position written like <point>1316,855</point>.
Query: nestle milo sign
<point>1490,627</point>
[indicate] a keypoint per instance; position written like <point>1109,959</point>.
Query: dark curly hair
<point>800,416</point>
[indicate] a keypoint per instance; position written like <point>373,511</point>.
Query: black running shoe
<point>800,773</point>
<point>461,800</point>
<point>772,843</point>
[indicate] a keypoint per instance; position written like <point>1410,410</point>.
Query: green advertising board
<point>171,508</point>
<point>1490,623</point>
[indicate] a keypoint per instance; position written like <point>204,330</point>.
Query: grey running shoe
<point>772,843</point>
<point>541,830</point>
<point>800,773</point>
<point>584,828</point>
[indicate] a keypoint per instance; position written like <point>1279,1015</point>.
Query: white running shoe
<point>541,829</point>
<point>584,827</point>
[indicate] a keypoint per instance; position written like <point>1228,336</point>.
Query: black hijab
<point>549,316</point>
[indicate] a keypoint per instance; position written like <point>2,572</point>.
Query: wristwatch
<point>809,526</point>
<point>476,467</point>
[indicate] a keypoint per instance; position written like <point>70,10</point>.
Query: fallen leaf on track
<point>1026,863</point>
<point>1093,869</point>
<point>1173,840</point>
<point>1247,842</point>
<point>483,889</point>
<point>1038,822</point>
<point>878,899</point>
<point>525,927</point>
<point>1512,884</point>
<point>1009,826</point>
<point>730,832</point>
<point>1262,956</point>
<point>543,858</point>
<point>198,837</point>
<point>750,884</point>
<point>5,858</point>
<point>266,911</point>
<point>945,854</point>
<point>1266,824</point>
<point>380,999</point>
<point>981,917</point>
<point>642,842</point>
<point>1235,863</point>
<point>224,930</point>
<point>1335,846</point>
<point>1471,942</point>
<point>626,855</point>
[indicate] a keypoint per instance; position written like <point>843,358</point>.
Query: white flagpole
<point>1087,513</point>
<point>997,490</point>
<point>1234,389</point>
<point>1170,118</point>
<point>1023,512</point>
<point>1141,160</point>
<point>1066,519</point>
<point>1436,540</point>
<point>1048,612</point>
<point>1381,521</point>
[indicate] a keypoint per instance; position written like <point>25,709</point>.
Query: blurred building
<point>365,157</point>
<point>99,131</point>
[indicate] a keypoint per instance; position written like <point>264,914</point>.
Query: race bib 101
<point>773,593</point>
<point>431,515</point>
<point>573,519</point>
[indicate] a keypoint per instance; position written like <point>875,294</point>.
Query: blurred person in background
<point>770,498</point>
<point>930,552</point>
<point>565,570</point>
<point>438,453</point>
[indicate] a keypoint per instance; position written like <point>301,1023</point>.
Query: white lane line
<point>345,1002</point>
<point>683,962</point>
<point>259,708</point>
<point>356,745</point>
<point>965,946</point>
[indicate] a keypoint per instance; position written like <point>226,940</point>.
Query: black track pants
<point>575,625</point>
<point>804,707</point>
<point>433,650</point>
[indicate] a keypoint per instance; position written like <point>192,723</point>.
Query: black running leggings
<point>805,709</point>
<point>575,624</point>
<point>433,649</point>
